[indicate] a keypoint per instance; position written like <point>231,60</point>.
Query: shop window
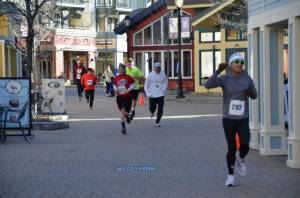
<point>176,64</point>
<point>209,61</point>
<point>148,36</point>
<point>236,35</point>
<point>210,37</point>
<point>138,38</point>
<point>168,63</point>
<point>148,62</point>
<point>217,36</point>
<point>157,57</point>
<point>187,69</point>
<point>157,32</point>
<point>138,60</point>
<point>166,39</point>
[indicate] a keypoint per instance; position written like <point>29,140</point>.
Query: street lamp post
<point>127,21</point>
<point>179,4</point>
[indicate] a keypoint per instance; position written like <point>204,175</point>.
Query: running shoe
<point>124,131</point>
<point>128,120</point>
<point>242,168</point>
<point>157,125</point>
<point>151,115</point>
<point>91,108</point>
<point>230,181</point>
<point>131,115</point>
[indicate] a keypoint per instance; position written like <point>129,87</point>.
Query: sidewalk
<point>187,154</point>
<point>192,97</point>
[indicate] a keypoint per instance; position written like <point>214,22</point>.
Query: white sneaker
<point>230,180</point>
<point>157,125</point>
<point>242,168</point>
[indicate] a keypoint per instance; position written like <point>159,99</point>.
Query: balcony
<point>105,3</point>
<point>106,35</point>
<point>72,4</point>
<point>76,31</point>
<point>128,5</point>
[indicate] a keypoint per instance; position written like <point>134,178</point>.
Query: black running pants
<point>153,102</point>
<point>231,127</point>
<point>90,94</point>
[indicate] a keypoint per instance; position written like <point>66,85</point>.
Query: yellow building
<point>213,45</point>
<point>10,59</point>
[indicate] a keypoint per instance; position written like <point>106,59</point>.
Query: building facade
<point>214,44</point>
<point>270,22</point>
<point>112,48</point>
<point>10,58</point>
<point>148,41</point>
<point>85,32</point>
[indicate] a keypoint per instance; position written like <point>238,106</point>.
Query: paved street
<point>187,154</point>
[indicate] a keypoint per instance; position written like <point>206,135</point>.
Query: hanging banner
<point>15,96</point>
<point>185,27</point>
<point>173,28</point>
<point>53,96</point>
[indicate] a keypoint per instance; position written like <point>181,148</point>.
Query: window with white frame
<point>138,59</point>
<point>157,33</point>
<point>168,60</point>
<point>148,35</point>
<point>210,37</point>
<point>138,38</point>
<point>208,62</point>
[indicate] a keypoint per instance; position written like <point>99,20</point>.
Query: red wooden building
<point>148,41</point>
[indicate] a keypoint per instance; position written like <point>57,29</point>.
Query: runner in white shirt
<point>156,87</point>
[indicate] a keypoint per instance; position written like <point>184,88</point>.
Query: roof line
<point>172,7</point>
<point>212,12</point>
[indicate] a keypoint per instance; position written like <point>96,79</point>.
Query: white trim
<point>9,61</point>
<point>3,55</point>
<point>162,33</point>
<point>223,5</point>
<point>17,63</point>
<point>280,13</point>
<point>162,61</point>
<point>146,118</point>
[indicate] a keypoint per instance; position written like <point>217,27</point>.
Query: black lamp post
<point>179,4</point>
<point>127,21</point>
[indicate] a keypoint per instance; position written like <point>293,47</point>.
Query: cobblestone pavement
<point>187,154</point>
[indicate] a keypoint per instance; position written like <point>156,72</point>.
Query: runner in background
<point>237,88</point>
<point>89,80</point>
<point>156,87</point>
<point>92,64</point>
<point>123,84</point>
<point>107,76</point>
<point>80,70</point>
<point>138,76</point>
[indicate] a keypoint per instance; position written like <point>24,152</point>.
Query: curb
<point>51,125</point>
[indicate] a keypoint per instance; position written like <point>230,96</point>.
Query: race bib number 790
<point>237,107</point>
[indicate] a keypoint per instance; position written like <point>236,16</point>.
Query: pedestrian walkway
<point>180,159</point>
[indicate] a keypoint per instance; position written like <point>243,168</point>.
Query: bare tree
<point>31,22</point>
<point>233,16</point>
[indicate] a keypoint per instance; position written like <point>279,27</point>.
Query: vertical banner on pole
<point>173,28</point>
